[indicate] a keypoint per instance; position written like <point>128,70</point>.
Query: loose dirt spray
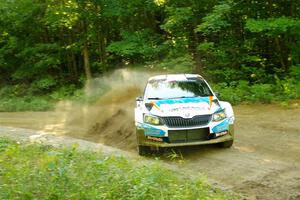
<point>110,119</point>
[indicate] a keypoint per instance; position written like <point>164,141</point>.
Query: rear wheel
<point>143,150</point>
<point>226,144</point>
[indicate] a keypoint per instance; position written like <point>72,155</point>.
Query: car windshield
<point>177,89</point>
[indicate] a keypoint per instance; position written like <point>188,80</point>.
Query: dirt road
<point>264,162</point>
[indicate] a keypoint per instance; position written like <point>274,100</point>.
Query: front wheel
<point>226,144</point>
<point>143,150</point>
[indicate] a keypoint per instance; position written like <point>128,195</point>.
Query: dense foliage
<point>49,44</point>
<point>42,172</point>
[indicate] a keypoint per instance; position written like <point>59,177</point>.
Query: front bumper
<point>143,140</point>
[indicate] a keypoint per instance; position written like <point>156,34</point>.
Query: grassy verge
<point>12,101</point>
<point>41,172</point>
<point>15,104</point>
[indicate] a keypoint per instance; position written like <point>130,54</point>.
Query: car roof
<point>174,77</point>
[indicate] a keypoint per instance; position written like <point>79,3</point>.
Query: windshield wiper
<point>182,97</point>
<point>154,98</point>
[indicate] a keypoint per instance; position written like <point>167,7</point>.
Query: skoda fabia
<point>181,110</point>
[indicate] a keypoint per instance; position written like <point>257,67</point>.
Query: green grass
<point>12,102</point>
<point>31,171</point>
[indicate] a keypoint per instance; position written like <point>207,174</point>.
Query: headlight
<point>219,116</point>
<point>150,119</point>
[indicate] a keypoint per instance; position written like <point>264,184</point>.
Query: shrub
<point>63,92</point>
<point>261,93</point>
<point>243,91</point>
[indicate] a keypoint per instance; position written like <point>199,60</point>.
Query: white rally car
<point>181,110</point>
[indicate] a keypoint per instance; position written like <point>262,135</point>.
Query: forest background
<point>248,49</point>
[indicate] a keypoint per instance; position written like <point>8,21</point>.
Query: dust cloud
<point>110,119</point>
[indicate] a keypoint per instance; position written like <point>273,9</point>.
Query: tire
<point>143,150</point>
<point>226,144</point>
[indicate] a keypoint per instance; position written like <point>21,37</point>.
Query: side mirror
<point>139,99</point>
<point>217,94</point>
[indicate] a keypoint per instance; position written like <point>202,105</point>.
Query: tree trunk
<point>281,59</point>
<point>74,64</point>
<point>86,60</point>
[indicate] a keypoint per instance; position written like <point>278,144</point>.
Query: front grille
<point>180,122</point>
<point>193,135</point>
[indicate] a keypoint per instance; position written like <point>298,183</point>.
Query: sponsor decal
<point>221,133</point>
<point>154,138</point>
<point>194,104</point>
<point>188,108</point>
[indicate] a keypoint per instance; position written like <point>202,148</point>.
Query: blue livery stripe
<point>183,100</point>
<point>151,131</point>
<point>223,126</point>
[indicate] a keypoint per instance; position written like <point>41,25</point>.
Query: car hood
<point>184,107</point>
